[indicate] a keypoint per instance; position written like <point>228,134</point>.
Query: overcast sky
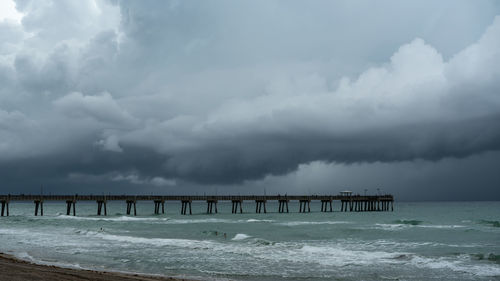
<point>247,97</point>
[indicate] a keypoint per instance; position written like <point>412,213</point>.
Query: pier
<point>348,202</point>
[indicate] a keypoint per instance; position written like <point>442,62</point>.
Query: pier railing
<point>357,203</point>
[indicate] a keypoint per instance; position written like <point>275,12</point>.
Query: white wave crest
<point>27,257</point>
<point>256,220</point>
<point>117,219</point>
<point>441,226</point>
<point>459,265</point>
<point>395,227</point>
<point>297,223</point>
<point>175,242</point>
<point>240,236</point>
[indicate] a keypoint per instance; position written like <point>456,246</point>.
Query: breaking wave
<point>297,223</point>
<point>408,222</point>
<point>240,236</point>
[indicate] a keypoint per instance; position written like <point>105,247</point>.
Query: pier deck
<point>356,203</point>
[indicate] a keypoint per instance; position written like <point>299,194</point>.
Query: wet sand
<point>13,269</point>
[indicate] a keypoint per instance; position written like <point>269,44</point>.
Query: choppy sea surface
<point>418,241</point>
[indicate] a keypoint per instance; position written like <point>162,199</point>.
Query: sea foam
<point>240,236</point>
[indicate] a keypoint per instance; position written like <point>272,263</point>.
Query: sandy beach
<point>13,269</point>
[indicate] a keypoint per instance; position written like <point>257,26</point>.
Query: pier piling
<point>282,204</point>
<point>130,203</point>
<point>38,205</point>
<point>71,204</point>
<point>258,206</point>
<point>302,205</point>
<point>159,203</point>
<point>210,204</point>
<point>324,205</point>
<point>102,203</point>
<point>235,203</point>
<point>185,204</point>
<point>5,207</point>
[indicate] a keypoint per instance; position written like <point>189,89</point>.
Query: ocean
<point>417,241</point>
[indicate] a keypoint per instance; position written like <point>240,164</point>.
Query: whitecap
<point>117,219</point>
<point>297,223</point>
<point>459,265</point>
<point>27,257</point>
<point>208,220</point>
<point>256,220</point>
<point>240,236</point>
<point>338,255</point>
<point>176,242</point>
<point>390,227</point>
<point>441,226</point>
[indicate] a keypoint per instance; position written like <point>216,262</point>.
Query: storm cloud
<point>156,96</point>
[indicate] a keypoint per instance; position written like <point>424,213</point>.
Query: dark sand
<point>13,269</point>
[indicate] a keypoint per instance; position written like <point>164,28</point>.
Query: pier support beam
<point>101,203</point>
<point>38,205</point>
<point>282,204</point>
<point>258,206</point>
<point>210,204</point>
<point>302,206</point>
<point>5,207</point>
<point>346,205</point>
<point>324,205</point>
<point>185,204</point>
<point>71,204</point>
<point>159,203</point>
<point>235,204</point>
<point>130,203</point>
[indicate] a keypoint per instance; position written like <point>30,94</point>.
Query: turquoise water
<point>418,241</point>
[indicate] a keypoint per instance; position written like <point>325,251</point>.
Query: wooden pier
<point>348,202</point>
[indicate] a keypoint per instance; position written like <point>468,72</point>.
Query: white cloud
<point>136,179</point>
<point>8,11</point>
<point>102,108</point>
<point>110,143</point>
<point>159,181</point>
<point>129,177</point>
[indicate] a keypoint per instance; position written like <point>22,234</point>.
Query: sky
<point>251,97</point>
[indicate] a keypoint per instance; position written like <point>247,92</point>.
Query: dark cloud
<point>128,96</point>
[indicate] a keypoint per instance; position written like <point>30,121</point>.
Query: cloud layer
<point>163,93</point>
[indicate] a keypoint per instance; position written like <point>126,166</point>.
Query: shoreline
<point>15,269</point>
